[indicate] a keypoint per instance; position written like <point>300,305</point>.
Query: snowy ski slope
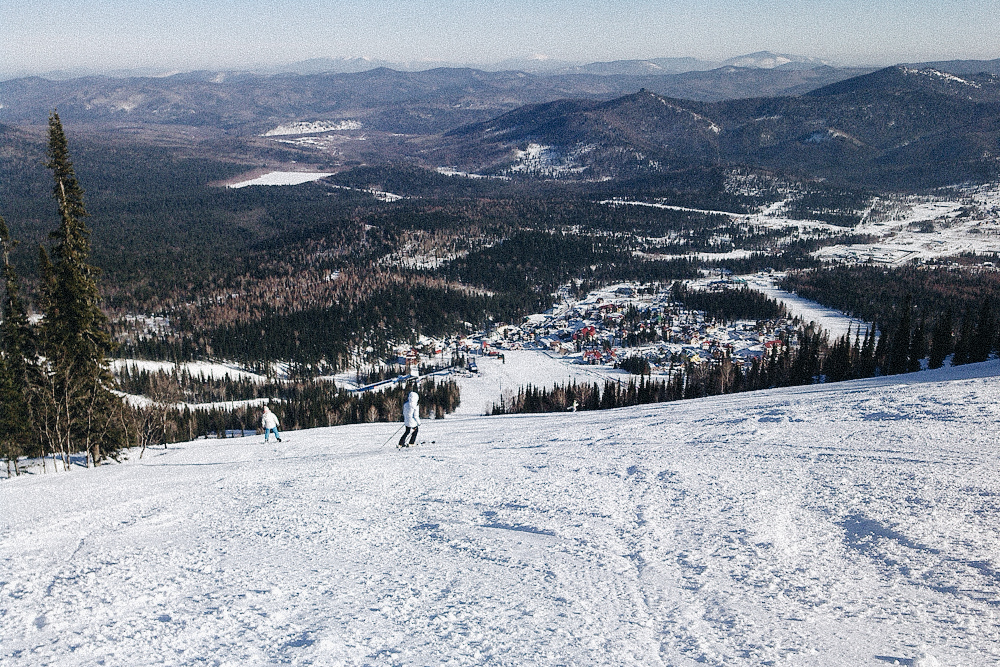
<point>850,524</point>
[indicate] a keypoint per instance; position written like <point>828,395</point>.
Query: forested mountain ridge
<point>898,128</point>
<point>642,131</point>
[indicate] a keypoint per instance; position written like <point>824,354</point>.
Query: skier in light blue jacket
<point>269,421</point>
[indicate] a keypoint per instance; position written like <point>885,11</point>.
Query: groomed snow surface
<point>848,524</point>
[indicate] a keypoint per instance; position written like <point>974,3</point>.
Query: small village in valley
<point>609,326</point>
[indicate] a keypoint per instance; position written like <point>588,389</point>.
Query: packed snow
<point>282,178</point>
<point>495,378</point>
<point>849,524</point>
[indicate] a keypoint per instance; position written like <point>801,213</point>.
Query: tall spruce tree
<point>837,363</point>
<point>899,346</point>
<point>15,347</point>
<point>941,340</point>
<point>918,347</point>
<point>984,336</point>
<point>866,363</point>
<point>75,408</point>
<point>963,346</point>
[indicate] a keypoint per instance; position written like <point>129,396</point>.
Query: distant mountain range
<point>429,101</point>
<point>408,102</point>
<point>903,126</point>
<point>532,65</point>
<point>898,128</point>
<point>542,65</point>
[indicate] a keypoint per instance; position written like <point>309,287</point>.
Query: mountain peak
<point>900,78</point>
<point>770,60</point>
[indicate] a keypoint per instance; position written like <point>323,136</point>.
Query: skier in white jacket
<point>411,419</point>
<point>269,421</point>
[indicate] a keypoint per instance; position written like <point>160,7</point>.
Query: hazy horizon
<point>44,36</point>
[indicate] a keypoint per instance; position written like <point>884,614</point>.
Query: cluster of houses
<point>643,321</point>
<point>619,322</point>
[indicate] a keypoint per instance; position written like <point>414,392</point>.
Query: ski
<point>422,442</point>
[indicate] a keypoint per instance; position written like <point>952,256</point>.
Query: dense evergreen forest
<point>876,293</point>
<point>729,304</point>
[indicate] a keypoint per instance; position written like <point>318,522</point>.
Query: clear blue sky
<point>42,35</point>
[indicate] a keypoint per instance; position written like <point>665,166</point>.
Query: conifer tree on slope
<point>941,340</point>
<point>15,349</point>
<point>985,333</point>
<point>73,404</point>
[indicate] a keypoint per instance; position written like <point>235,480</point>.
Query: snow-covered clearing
<point>139,401</point>
<point>834,322</point>
<point>282,178</point>
<point>771,216</point>
<point>197,369</point>
<point>958,220</point>
<point>378,194</point>
<point>315,127</point>
<point>851,524</point>
<point>669,207</point>
<point>926,230</point>
<point>548,161</point>
<point>482,389</point>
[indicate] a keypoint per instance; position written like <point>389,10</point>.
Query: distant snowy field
<point>282,178</point>
<point>850,524</point>
<point>958,220</point>
<point>316,127</point>
<point>522,367</point>
<point>195,368</point>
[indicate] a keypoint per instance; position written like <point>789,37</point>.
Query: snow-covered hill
<point>852,524</point>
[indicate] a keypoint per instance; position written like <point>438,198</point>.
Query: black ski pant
<point>413,438</point>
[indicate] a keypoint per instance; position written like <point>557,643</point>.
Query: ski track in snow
<point>847,524</point>
<point>833,321</point>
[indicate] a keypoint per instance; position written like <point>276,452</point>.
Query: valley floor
<point>850,524</point>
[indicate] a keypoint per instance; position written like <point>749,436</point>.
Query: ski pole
<point>392,436</point>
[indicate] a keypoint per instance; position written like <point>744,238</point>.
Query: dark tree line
<point>920,312</point>
<point>910,341</point>
<point>729,305</point>
<point>538,262</point>
<point>877,293</point>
